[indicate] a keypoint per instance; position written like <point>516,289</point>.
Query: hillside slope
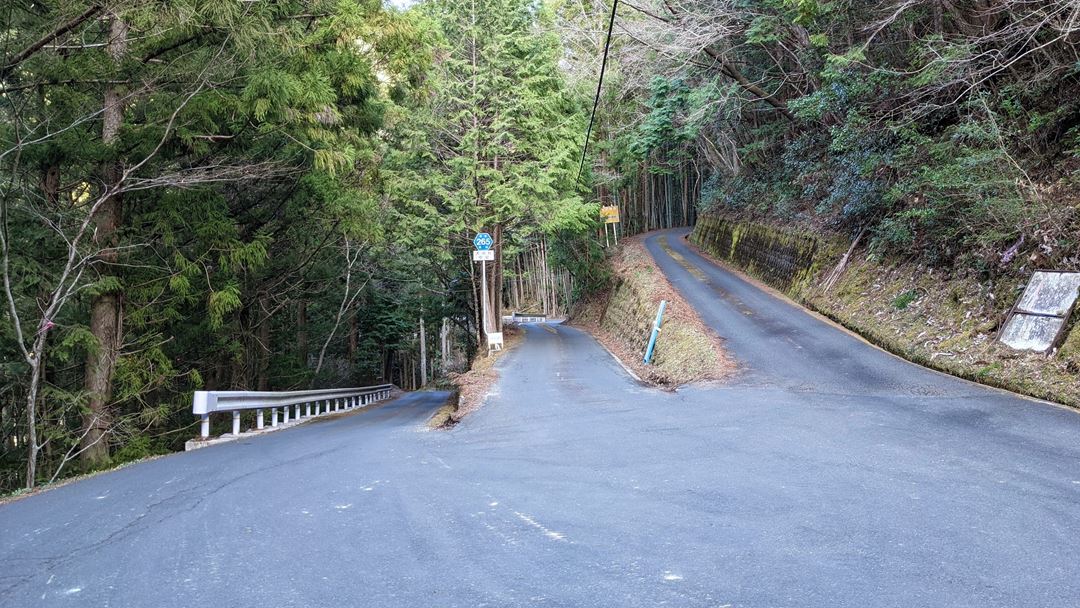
<point>921,313</point>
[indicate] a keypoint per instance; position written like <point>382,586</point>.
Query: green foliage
<point>223,302</point>
<point>492,144</point>
<point>905,299</point>
<point>901,122</point>
<point>267,151</point>
<point>658,131</point>
<point>252,133</point>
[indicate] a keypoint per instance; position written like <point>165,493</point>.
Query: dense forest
<point>210,194</point>
<point>942,131</point>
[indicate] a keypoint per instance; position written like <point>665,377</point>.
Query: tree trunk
<point>7,421</point>
<point>105,309</point>
<point>31,417</point>
<point>263,379</point>
<point>301,332</point>
<point>353,342</point>
<point>354,338</point>
<point>476,302</point>
<point>423,354</point>
<point>496,282</point>
<point>50,185</point>
<point>444,344</point>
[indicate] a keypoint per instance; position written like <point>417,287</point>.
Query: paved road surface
<point>827,474</point>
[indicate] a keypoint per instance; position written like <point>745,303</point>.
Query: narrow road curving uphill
<point>828,473</point>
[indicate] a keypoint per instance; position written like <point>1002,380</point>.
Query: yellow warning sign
<point>610,214</point>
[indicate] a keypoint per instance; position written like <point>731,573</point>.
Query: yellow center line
<point>680,260</point>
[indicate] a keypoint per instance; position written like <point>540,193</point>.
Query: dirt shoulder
<point>472,387</point>
<point>621,318</point>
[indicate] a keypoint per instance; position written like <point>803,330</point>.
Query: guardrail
<point>520,318</point>
<point>209,402</point>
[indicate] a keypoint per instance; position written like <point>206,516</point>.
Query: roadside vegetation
<point>914,310</point>
<point>944,133</point>
<point>950,326</point>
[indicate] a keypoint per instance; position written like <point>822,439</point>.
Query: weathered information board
<point>1037,322</point>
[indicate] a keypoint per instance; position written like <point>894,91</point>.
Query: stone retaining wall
<point>787,260</point>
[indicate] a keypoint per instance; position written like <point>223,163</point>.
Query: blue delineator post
<point>655,331</point>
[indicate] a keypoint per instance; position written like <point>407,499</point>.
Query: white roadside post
<point>200,406</point>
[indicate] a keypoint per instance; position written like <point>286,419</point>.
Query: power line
<point>599,84</point>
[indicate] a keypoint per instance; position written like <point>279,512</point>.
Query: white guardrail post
<point>326,401</point>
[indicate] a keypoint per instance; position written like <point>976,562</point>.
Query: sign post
<point>610,215</point>
<point>485,254</point>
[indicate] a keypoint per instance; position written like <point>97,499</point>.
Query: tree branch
<point>26,53</point>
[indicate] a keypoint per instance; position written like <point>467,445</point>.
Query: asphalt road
<point>826,474</point>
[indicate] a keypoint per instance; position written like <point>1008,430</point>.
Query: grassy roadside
<point>949,325</point>
<point>622,316</point>
<point>943,322</point>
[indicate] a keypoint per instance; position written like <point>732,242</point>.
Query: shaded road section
<point>826,474</point>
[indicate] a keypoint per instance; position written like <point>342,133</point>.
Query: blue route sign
<point>483,241</point>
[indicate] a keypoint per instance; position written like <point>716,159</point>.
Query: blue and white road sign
<point>483,241</point>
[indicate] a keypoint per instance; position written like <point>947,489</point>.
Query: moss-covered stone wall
<point>628,315</point>
<point>785,259</point>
